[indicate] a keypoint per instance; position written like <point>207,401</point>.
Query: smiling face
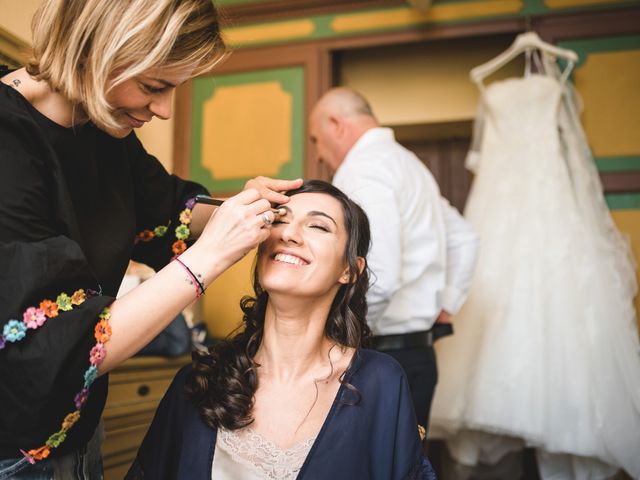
<point>137,100</point>
<point>305,253</point>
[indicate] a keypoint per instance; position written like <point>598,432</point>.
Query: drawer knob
<point>143,390</point>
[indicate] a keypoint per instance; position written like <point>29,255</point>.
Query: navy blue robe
<point>371,434</point>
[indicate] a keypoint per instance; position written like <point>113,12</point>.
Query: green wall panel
<point>291,80</point>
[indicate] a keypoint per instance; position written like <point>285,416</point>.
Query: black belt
<point>424,338</point>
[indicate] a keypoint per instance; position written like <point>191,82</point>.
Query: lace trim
<point>263,456</point>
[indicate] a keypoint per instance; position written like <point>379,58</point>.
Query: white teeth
<point>283,257</point>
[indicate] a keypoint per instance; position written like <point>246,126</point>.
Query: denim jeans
<point>83,464</point>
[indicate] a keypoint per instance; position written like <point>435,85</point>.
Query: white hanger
<point>523,42</point>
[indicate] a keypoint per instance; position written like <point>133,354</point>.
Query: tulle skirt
<point>546,350</point>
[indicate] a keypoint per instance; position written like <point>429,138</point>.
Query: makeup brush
<point>207,200</point>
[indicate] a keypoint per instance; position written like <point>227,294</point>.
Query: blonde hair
<point>84,48</point>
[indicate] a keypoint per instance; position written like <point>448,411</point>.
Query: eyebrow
<point>312,213</point>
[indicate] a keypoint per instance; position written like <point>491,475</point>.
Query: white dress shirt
<point>423,251</point>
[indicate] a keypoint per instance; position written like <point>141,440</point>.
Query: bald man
<point>423,252</point>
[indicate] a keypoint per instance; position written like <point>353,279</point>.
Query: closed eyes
<point>152,89</point>
<point>316,226</point>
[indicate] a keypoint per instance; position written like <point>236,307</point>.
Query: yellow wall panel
<point>270,31</point>
<point>221,304</point>
<point>157,138</point>
<point>256,121</point>
<point>628,221</point>
<point>411,16</point>
<point>579,3</point>
<point>609,83</point>
<point>423,83</point>
<point>16,17</point>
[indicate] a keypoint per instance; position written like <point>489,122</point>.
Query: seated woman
<point>293,394</point>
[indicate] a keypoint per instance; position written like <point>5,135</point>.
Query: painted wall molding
<point>13,51</point>
<point>271,22</point>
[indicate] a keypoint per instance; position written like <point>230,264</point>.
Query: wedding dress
<point>546,350</point>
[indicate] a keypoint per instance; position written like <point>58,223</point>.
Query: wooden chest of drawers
<point>135,390</point>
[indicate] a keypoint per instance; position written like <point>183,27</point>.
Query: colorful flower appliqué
<point>64,302</point>
<point>34,317</point>
<point>14,331</point>
<point>49,308</point>
<point>182,231</point>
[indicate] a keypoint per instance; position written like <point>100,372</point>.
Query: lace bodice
<point>245,454</point>
<point>523,109</point>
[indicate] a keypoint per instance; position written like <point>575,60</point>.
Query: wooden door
<point>445,158</point>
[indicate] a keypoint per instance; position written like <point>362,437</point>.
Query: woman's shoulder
<point>180,378</point>
<point>378,365</point>
<point>176,405</point>
<point>175,397</point>
<point>14,112</point>
<point>376,359</point>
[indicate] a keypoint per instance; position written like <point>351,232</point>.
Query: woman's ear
<point>361,264</point>
<point>347,276</point>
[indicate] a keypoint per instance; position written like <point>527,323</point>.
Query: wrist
<point>206,265</point>
<point>195,279</point>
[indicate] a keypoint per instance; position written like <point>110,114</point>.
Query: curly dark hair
<point>223,381</point>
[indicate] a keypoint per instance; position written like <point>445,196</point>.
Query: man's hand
<point>444,317</point>
<point>272,189</point>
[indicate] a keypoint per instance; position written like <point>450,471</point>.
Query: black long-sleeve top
<point>71,203</point>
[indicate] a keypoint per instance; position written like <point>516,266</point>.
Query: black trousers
<point>421,369</point>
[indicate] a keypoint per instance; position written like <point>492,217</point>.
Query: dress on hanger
<point>546,349</point>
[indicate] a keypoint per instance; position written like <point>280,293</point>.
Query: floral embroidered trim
<point>182,231</point>
<point>35,317</point>
<point>102,334</point>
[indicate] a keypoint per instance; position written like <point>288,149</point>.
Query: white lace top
<point>246,455</point>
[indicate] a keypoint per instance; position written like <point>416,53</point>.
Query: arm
<point>56,264</point>
<point>225,235</point>
<point>399,454</point>
<point>462,250</point>
<point>408,444</point>
<point>141,314</point>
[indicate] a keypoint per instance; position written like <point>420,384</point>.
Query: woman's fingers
<point>260,208</point>
<point>245,197</point>
<point>271,188</point>
<point>240,224</point>
<point>267,217</point>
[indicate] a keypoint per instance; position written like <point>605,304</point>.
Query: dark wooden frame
<point>286,9</point>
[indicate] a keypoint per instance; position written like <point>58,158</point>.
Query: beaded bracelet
<point>194,278</point>
<point>182,233</point>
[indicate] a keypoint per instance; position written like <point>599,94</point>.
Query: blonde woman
<point>80,198</point>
